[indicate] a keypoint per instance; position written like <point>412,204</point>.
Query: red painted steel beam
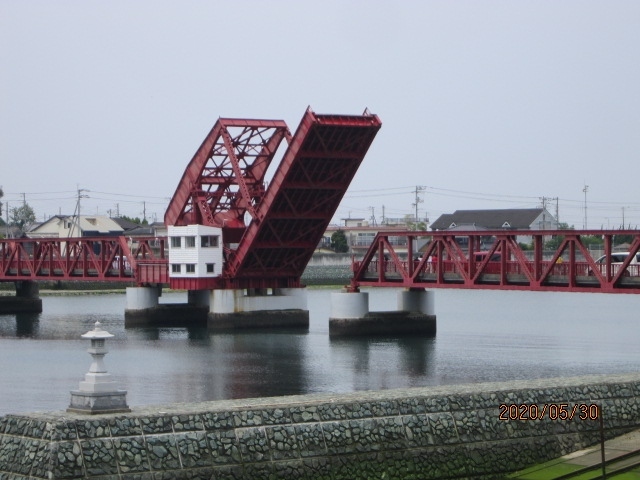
<point>225,178</point>
<point>306,189</point>
<point>107,259</point>
<point>444,263</point>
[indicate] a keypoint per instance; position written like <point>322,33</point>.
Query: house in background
<point>68,226</point>
<point>63,226</point>
<point>360,235</point>
<point>518,219</point>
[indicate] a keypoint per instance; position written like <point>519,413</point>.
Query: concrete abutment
<point>350,315</point>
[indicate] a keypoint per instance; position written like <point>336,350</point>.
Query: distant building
<point>126,224</point>
<point>62,226</point>
<point>360,234</point>
<point>11,231</point>
<point>520,219</point>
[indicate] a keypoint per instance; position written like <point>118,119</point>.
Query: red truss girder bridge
<point>111,259</point>
<point>495,260</point>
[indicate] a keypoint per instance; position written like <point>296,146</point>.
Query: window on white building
<point>209,241</point>
<point>191,268</point>
<point>175,268</point>
<point>211,268</point>
<point>190,242</point>
<point>176,242</point>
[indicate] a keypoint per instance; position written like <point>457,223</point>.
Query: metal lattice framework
<point>111,259</point>
<point>456,260</point>
<point>225,181</point>
<point>225,178</point>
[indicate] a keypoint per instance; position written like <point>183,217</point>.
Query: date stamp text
<point>552,411</point>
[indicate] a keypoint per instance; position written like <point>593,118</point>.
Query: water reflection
<point>20,325</point>
<point>418,356</point>
<point>197,334</point>
<point>264,364</point>
<point>385,362</point>
<point>479,339</point>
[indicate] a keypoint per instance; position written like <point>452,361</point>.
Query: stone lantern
<point>98,393</point>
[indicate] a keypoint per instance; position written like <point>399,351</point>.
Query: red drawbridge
<point>223,185</point>
<point>495,260</point>
<point>270,232</point>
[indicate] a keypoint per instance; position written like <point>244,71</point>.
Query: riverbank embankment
<point>477,430</point>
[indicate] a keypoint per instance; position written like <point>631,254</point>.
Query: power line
<point>133,196</point>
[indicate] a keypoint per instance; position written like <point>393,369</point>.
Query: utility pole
<point>80,195</point>
<point>144,212</point>
<point>383,219</point>
<point>373,216</point>
<point>585,190</point>
<point>418,202</point>
<point>544,211</point>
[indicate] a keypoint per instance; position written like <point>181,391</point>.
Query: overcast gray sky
<point>487,104</point>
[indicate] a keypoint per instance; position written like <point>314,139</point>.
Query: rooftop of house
<point>511,218</point>
<point>98,224</point>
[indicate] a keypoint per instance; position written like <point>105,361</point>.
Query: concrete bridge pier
<point>258,308</point>
<point>350,315</point>
<point>142,298</point>
<point>26,300</point>
<point>143,308</point>
<point>416,300</point>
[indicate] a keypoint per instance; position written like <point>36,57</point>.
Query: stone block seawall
<point>419,433</point>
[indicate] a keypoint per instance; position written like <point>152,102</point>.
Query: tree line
<point>20,217</point>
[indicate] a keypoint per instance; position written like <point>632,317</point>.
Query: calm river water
<point>482,336</point>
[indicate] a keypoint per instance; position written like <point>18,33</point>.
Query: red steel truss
<point>225,180</point>
<point>112,259</point>
<point>495,260</point>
